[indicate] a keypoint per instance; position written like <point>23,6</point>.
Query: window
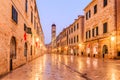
<point>77,38</point>
<point>96,31</point>
<point>93,33</point>
<point>105,27</point>
<point>89,13</point>
<point>74,39</point>
<point>74,27</point>
<point>26,5</point>
<point>69,41</point>
<point>95,9</point>
<point>35,8</point>
<point>87,16</point>
<point>89,34</point>
<point>34,23</point>
<point>105,3</point>
<point>38,30</point>
<point>31,51</point>
<point>25,27</point>
<point>86,35</point>
<point>29,30</point>
<point>77,25</point>
<point>14,14</point>
<point>31,17</point>
<point>71,30</point>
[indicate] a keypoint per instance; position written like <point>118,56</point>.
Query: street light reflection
<point>66,61</point>
<point>113,75</point>
<point>80,65</point>
<point>95,63</point>
<point>37,77</point>
<point>71,58</point>
<point>88,62</point>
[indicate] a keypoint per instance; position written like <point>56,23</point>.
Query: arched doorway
<point>25,50</point>
<point>104,50</point>
<point>12,51</point>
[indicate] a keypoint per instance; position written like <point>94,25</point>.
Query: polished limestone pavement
<point>66,67</point>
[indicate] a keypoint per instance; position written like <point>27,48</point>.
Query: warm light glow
<point>112,38</point>
<point>33,41</point>
<point>88,50</point>
<point>37,39</point>
<point>66,47</point>
<point>95,50</point>
<point>59,48</point>
<point>40,45</point>
<point>80,45</point>
<point>71,51</point>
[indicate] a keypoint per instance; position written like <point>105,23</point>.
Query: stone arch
<point>104,50</point>
<point>12,51</point>
<point>25,50</point>
<point>12,48</point>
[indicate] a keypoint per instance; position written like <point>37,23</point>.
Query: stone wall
<point>104,14</point>
<point>9,29</point>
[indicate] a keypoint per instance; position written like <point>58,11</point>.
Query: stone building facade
<point>21,35</point>
<point>75,36</point>
<point>99,32</point>
<point>69,41</point>
<point>61,42</point>
<point>101,29</point>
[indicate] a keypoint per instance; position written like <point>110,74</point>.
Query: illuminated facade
<point>70,40</point>
<point>101,29</point>
<point>61,42</point>
<point>21,35</point>
<point>75,36</point>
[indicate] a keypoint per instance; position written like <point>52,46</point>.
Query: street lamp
<point>66,47</point>
<point>37,39</point>
<point>80,45</point>
<point>112,38</point>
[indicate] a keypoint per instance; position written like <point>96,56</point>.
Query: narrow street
<point>66,67</point>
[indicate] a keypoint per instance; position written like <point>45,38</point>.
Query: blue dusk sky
<point>60,12</point>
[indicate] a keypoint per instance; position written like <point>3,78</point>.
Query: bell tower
<point>53,36</point>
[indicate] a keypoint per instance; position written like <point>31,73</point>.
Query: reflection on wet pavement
<point>67,67</point>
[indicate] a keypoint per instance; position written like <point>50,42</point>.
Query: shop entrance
<point>104,51</point>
